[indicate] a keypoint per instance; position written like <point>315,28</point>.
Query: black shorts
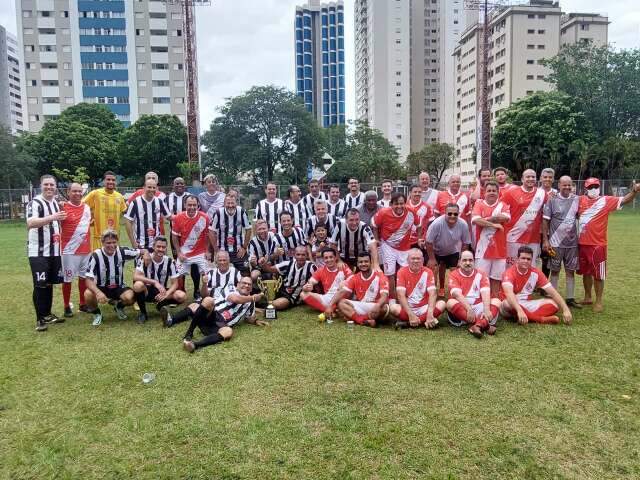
<point>240,263</point>
<point>113,293</point>
<point>293,299</point>
<point>211,323</point>
<point>152,292</point>
<point>46,270</point>
<point>450,261</point>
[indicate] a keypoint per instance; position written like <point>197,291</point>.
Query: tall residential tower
<point>11,72</point>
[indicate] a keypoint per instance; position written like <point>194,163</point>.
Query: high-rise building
<point>11,101</point>
<point>404,68</point>
<point>520,37</point>
<point>128,55</point>
<point>319,47</point>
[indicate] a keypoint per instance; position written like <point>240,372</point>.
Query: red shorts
<point>593,261</point>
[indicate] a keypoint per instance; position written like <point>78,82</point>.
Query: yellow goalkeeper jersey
<point>106,209</point>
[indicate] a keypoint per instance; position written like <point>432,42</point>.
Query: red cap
<point>590,182</point>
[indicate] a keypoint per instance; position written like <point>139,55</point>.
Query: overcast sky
<point>242,43</point>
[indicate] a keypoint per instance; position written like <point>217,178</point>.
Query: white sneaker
<point>97,320</point>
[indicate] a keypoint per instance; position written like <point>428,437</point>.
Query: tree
<point>604,83</point>
<point>95,115</point>
<point>264,131</point>
<point>538,132</point>
<point>154,142</point>
<point>434,158</point>
<point>17,167</point>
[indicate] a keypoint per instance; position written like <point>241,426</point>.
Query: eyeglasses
<point>452,214</point>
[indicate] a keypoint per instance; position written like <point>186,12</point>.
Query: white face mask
<point>593,193</point>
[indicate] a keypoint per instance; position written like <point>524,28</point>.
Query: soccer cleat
<point>187,338</point>
<point>491,330</point>
<point>571,302</point>
<point>97,319</point>
<point>475,331</point>
<point>122,315</point>
<point>83,309</point>
<point>197,298</point>
<point>41,326</point>
<point>399,325</point>
<point>167,321</point>
<point>141,318</point>
<point>552,320</point>
<point>68,312</point>
<point>51,319</point>
<point>189,346</point>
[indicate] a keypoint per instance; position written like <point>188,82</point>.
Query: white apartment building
<point>584,27</point>
<point>128,55</point>
<point>11,101</point>
<point>520,37</point>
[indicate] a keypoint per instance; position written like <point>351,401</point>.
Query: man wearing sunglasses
<point>447,236</point>
<point>594,211</point>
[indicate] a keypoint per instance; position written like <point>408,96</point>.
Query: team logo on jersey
<point>56,238</point>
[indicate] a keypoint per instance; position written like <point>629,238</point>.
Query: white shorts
<point>494,268</point>
<point>184,268</point>
<point>512,252</point>
<point>391,256</point>
<point>74,266</point>
<point>362,308</point>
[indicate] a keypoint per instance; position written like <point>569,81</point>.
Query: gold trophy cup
<point>270,289</point>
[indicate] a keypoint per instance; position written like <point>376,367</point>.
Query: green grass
<point>302,400</point>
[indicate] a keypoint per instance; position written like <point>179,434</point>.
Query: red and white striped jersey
<point>594,218</point>
<point>425,215</point>
<point>367,289</point>
<point>524,284</point>
<point>396,230</point>
<point>461,199</point>
<point>417,285</point>
<point>331,279</point>
<point>491,243</point>
<point>470,286</point>
<point>526,214</point>
<point>192,232</point>
<point>75,234</point>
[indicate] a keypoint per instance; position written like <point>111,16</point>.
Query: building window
<point>540,47</point>
<point>66,66</point>
<point>139,32</point>
<point>142,100</point>
<point>161,100</point>
<point>142,83</point>
<point>584,27</point>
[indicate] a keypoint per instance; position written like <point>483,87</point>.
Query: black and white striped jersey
<point>270,212</point>
<point>290,242</point>
<point>233,313</point>
<point>217,280</point>
<point>294,277</point>
<point>176,203</point>
<point>45,240</point>
<point>351,243</point>
<point>384,203</point>
<point>354,202</point>
<point>298,211</point>
<point>108,270</point>
<point>259,248</point>
<point>338,209</point>
<point>330,222</point>
<point>146,217</point>
<point>309,201</point>
<point>160,271</point>
<point>229,228</point>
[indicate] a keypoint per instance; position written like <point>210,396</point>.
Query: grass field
<point>303,400</point>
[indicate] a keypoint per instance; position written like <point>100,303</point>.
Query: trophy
<point>270,289</point>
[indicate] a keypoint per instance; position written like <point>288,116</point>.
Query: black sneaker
<point>51,319</point>
<point>399,325</point>
<point>83,309</point>
<point>571,302</point>
<point>197,297</point>
<point>68,312</point>
<point>167,321</point>
<point>142,318</point>
<point>41,326</point>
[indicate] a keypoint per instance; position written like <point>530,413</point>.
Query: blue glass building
<point>319,47</point>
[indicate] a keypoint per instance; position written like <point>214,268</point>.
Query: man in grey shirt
<point>447,236</point>
<point>560,236</point>
<point>369,207</point>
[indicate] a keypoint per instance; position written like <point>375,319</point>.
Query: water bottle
<point>148,378</point>
<point>350,325</point>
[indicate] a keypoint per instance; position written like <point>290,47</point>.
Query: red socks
<point>359,319</point>
<point>66,294</point>
<point>545,310</point>
<point>314,303</point>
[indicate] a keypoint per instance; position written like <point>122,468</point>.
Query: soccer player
<point>230,231</point>
<point>335,204</point>
<point>175,203</point>
<point>351,237</point>
<point>447,237</point>
<point>262,249</point>
<point>321,216</point>
<point>363,296</point>
<point>289,238</point>
<point>219,278</point>
<point>145,213</point>
<point>429,195</point>
<point>453,194</point>
<point>416,294</point>
<point>484,175</point>
<point>329,277</point>
<point>393,227</point>
<point>105,277</point>
<point>157,280</point>
<point>594,211</point>
<point>107,205</point>
<point>216,317</point>
<point>560,236</point>
<point>76,245</point>
<point>525,206</point>
<point>139,192</point>
<point>519,283</point>
<point>314,195</point>
<point>189,233</point>
<point>471,302</point>
<point>547,177</point>
<point>501,176</point>
<point>297,207</point>
<point>317,243</point>
<point>355,197</point>
<point>489,217</point>
<point>425,214</point>
<point>43,222</point>
<point>295,274</point>
<point>387,189</point>
<point>369,207</point>
<point>270,208</point>
<point>213,197</point>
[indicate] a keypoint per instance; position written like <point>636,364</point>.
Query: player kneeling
<point>330,276</point>
<point>368,291</point>
<point>519,283</point>
<point>471,303</point>
<point>150,281</point>
<point>416,294</point>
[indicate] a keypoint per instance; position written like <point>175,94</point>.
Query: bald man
<point>453,194</point>
<point>429,195</point>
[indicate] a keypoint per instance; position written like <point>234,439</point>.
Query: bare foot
<point>598,308</point>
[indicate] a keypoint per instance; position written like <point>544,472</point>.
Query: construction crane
<point>483,129</point>
<point>191,79</point>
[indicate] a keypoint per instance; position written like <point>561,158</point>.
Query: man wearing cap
<point>594,211</point>
<point>369,207</point>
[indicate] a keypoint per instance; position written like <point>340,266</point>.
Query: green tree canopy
<point>17,167</point>
<point>434,158</point>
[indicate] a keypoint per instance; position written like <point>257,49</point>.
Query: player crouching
<point>330,277</point>
<point>519,283</point>
<point>150,281</point>
<point>416,294</point>
<point>471,303</point>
